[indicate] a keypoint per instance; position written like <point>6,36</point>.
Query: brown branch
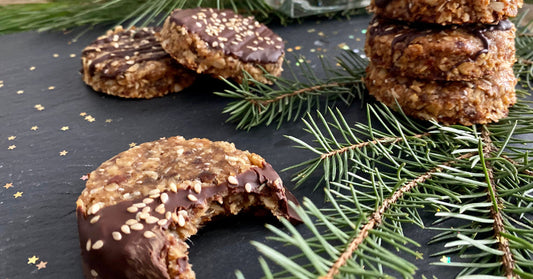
<point>377,216</point>
<point>525,61</point>
<point>503,243</point>
<point>295,93</point>
<point>528,172</point>
<point>366,143</point>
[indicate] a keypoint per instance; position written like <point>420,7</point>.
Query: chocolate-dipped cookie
<point>131,64</point>
<point>139,207</point>
<point>446,12</point>
<point>222,43</point>
<point>428,51</point>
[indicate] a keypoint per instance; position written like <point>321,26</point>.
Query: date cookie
<point>222,43</point>
<point>139,207</point>
<point>479,101</point>
<point>427,51</point>
<point>131,64</point>
<point>446,12</point>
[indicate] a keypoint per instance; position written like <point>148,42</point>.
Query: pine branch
<point>289,100</point>
<point>377,216</point>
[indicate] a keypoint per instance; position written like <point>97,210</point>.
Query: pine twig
<point>377,216</point>
<point>498,226</point>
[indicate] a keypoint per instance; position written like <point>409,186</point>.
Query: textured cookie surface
<point>222,43</point>
<point>446,12</point>
<point>139,207</point>
<point>426,51</point>
<point>131,64</point>
<point>449,102</point>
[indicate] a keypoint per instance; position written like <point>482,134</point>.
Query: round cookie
<point>131,64</point>
<point>139,207</point>
<point>222,43</point>
<point>426,51</point>
<point>449,102</point>
<point>446,12</point>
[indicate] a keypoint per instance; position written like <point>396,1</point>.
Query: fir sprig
<point>290,99</point>
<point>67,14</point>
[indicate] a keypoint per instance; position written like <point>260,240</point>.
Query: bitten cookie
<point>222,43</point>
<point>132,64</point>
<point>427,51</point>
<point>446,12</point>
<point>139,207</point>
<point>449,102</point>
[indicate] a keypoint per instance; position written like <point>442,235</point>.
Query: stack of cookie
<point>150,62</point>
<point>447,60</point>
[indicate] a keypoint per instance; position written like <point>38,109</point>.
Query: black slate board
<point>54,130</point>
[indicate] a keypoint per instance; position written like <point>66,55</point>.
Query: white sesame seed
<point>146,209</point>
<point>173,187</point>
<point>162,222</point>
<point>151,220</point>
<point>94,273</point>
<point>181,220</point>
<point>198,24</point>
<point>131,222</point>
<point>149,234</point>
<point>88,245</point>
<point>197,188</point>
<point>168,215</point>
<point>139,205</point>
<point>116,236</point>
<point>164,198</point>
<point>144,215</point>
<point>94,208</point>
<point>132,209</point>
<point>160,209</point>
<point>248,187</point>
<point>278,183</point>
<point>137,227</point>
<point>233,180</point>
<point>95,219</point>
<point>174,217</point>
<point>98,244</point>
<point>148,200</point>
<point>192,197</point>
<point>125,229</point>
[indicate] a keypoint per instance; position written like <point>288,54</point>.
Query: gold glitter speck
<point>18,195</point>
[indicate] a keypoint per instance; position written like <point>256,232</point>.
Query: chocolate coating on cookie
<point>242,37</point>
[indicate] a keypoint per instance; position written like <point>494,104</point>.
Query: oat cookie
<point>427,51</point>
<point>222,43</point>
<point>449,102</point>
<point>131,64</point>
<point>139,207</point>
<point>446,12</point>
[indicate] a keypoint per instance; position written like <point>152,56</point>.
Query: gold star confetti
<point>51,87</point>
<point>39,107</point>
<point>55,55</point>
<point>83,113</point>
<point>35,128</point>
<point>321,34</point>
<point>108,120</point>
<point>63,153</point>
<point>89,118</point>
<point>11,147</point>
<point>32,68</point>
<point>8,185</point>
<point>33,259</point>
<point>64,128</point>
<point>84,177</point>
<point>133,144</point>
<point>289,49</point>
<point>445,259</point>
<point>72,55</point>
<point>20,92</point>
<point>41,265</point>
<point>311,30</point>
<point>297,47</point>
<point>11,137</point>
